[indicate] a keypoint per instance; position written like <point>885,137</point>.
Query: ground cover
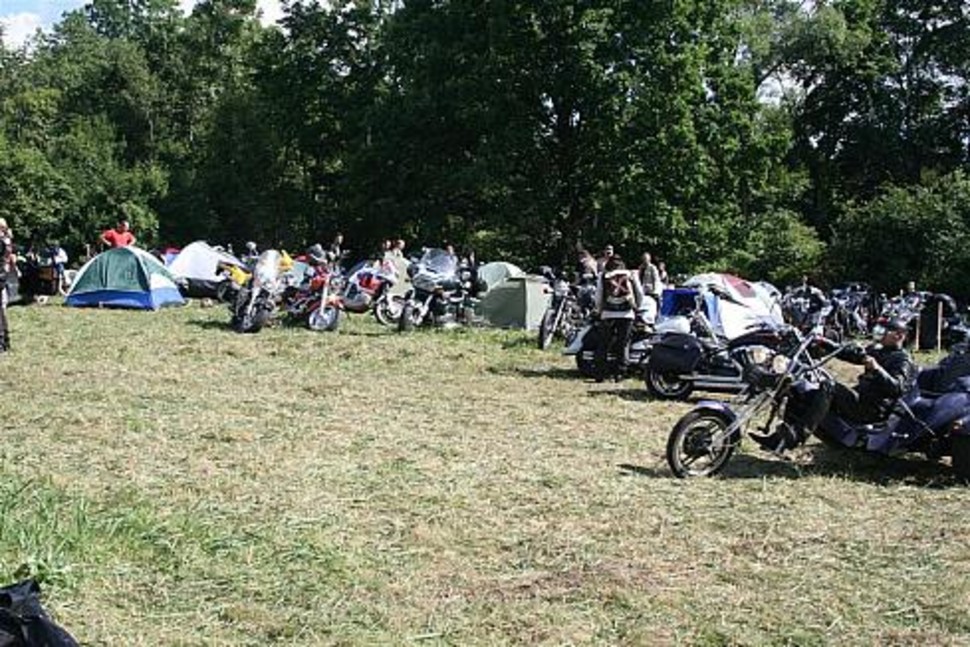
<point>172,482</point>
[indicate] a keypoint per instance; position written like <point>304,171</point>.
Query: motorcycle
<point>571,305</point>
<point>440,292</point>
<point>587,341</point>
<point>316,300</point>
<point>255,303</point>
<point>933,418</point>
<point>696,357</point>
<point>368,287</point>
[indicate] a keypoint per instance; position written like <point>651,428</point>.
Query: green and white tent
<point>124,277</point>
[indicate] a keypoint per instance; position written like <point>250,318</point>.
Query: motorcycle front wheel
<point>547,329</point>
<point>387,310</point>
<point>666,386</point>
<point>410,317</point>
<point>324,319</point>
<point>692,449</point>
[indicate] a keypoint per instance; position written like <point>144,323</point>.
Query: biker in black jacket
<point>889,374</point>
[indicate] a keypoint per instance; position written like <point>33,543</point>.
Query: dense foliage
<point>767,137</point>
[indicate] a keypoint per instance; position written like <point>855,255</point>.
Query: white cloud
<point>271,11</point>
<point>18,27</point>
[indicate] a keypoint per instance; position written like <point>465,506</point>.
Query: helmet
<point>315,254</point>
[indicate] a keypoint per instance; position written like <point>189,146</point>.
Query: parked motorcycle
<point>570,306</point>
<point>587,341</point>
<point>316,300</point>
<point>255,303</point>
<point>368,287</point>
<point>797,391</point>
<point>440,292</point>
<point>696,357</point>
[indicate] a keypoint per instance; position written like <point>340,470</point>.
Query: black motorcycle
<point>570,307</point>
<point>932,418</point>
<point>440,294</point>
<point>680,362</point>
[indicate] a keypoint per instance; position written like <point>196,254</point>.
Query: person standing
<point>650,278</point>
<point>119,236</point>
<point>8,265</point>
<point>662,271</point>
<point>619,296</point>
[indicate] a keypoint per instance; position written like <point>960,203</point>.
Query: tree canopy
<point>766,137</point>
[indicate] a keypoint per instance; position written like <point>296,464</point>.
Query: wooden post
<point>939,326</point>
<point>916,341</point>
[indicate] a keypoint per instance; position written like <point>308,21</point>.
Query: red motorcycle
<point>316,301</point>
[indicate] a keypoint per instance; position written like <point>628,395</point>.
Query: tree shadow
<point>820,460</point>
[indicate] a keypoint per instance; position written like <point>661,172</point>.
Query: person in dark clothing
<point>619,297</point>
<point>889,373</point>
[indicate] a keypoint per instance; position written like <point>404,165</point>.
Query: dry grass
<point>171,482</point>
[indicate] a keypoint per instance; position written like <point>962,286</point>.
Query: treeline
<point>767,137</point>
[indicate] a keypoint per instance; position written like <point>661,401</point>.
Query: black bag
<point>25,623</point>
<point>676,353</point>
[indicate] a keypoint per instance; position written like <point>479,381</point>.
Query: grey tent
<point>516,302</point>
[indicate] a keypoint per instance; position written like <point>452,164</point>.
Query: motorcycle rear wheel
<point>666,386</point>
<point>961,457</point>
<point>691,441</point>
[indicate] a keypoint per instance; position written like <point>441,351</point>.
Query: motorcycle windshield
<point>267,269</point>
<point>439,261</point>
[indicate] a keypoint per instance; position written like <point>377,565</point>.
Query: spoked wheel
<point>666,386</point>
<point>547,329</point>
<point>326,318</point>
<point>693,450</point>
<point>387,310</point>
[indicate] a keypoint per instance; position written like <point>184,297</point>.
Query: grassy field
<point>171,482</point>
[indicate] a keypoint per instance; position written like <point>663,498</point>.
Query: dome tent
<point>198,264</point>
<point>124,277</point>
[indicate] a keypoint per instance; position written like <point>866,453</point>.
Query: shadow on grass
<point>630,394</point>
<point>211,324</point>
<point>819,460</point>
<point>551,373</point>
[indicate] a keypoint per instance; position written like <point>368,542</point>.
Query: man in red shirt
<point>120,236</point>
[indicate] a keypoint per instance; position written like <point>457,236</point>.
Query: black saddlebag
<point>676,354</point>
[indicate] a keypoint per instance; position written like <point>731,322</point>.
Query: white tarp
<point>747,302</point>
<point>199,261</point>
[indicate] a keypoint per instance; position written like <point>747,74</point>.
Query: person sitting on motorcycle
<point>889,374</point>
<point>618,297</point>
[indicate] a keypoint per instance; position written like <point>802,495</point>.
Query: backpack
<point>25,623</point>
<point>618,292</point>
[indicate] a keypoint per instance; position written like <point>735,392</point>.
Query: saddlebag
<point>676,354</point>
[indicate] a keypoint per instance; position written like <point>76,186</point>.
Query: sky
<point>21,18</point>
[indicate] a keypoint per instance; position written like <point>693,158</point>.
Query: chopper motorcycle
<point>932,418</point>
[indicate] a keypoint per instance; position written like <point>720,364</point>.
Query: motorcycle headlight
<point>780,364</point>
<point>758,355</point>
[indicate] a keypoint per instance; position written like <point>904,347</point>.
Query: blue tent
<point>124,277</point>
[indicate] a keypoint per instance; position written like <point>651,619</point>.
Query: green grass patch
<point>172,482</point>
